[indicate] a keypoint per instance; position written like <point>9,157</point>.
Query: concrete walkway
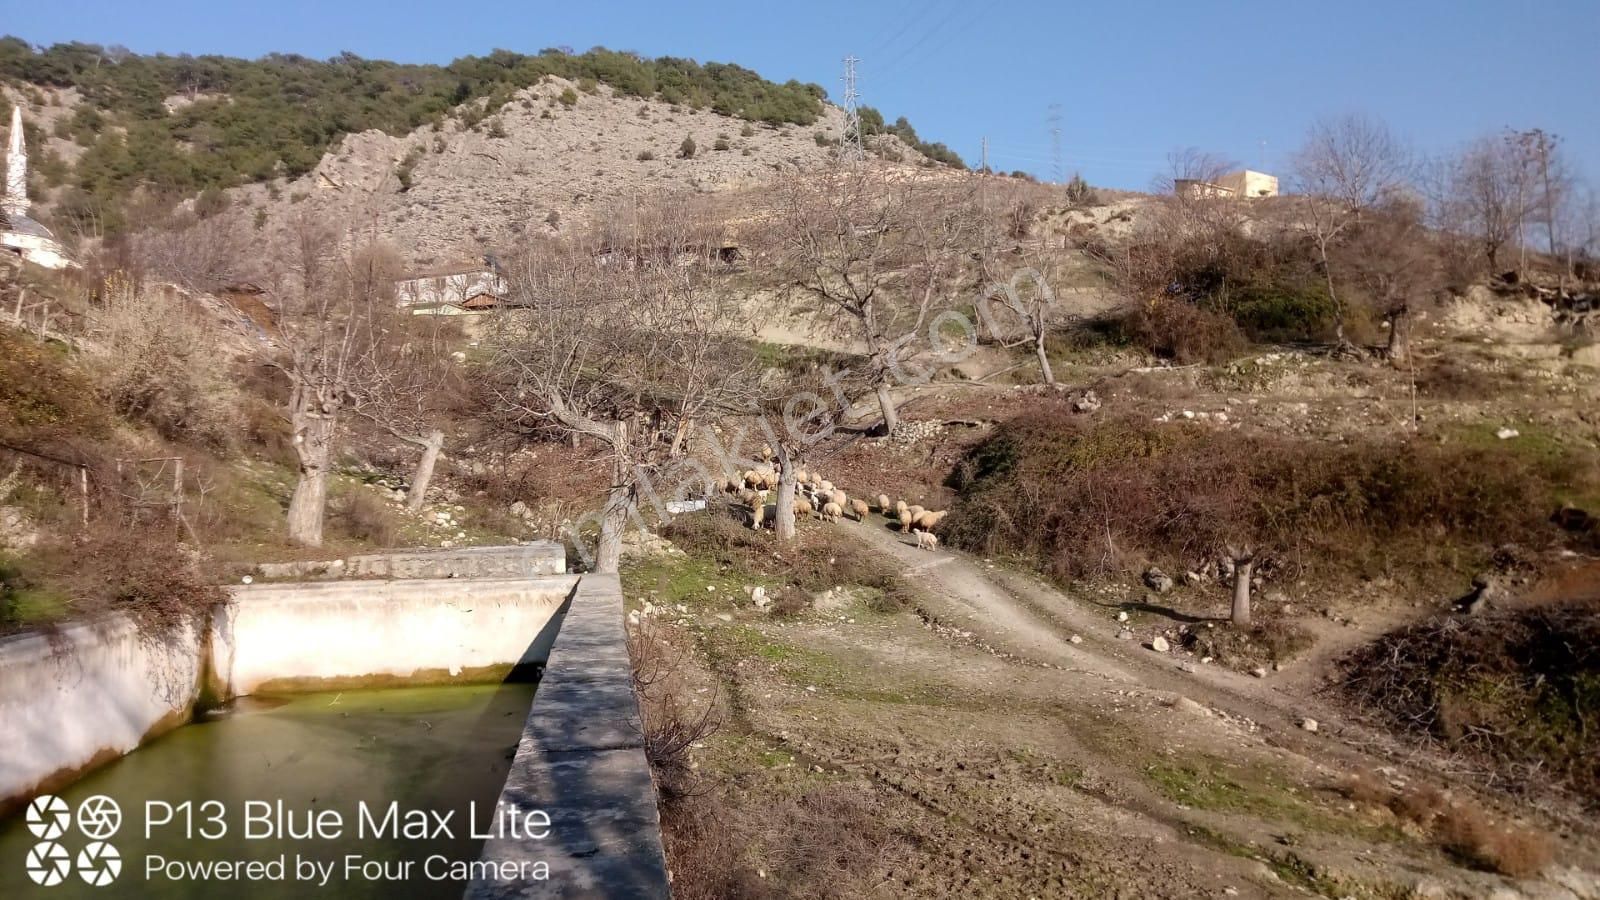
<point>581,760</point>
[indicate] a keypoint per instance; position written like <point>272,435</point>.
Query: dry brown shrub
<point>1185,332</point>
<point>361,515</point>
<point>1367,788</point>
<point>1421,804</point>
<point>140,570</point>
<point>164,366</point>
<point>1518,687</point>
<point>1088,496</point>
<point>1468,833</point>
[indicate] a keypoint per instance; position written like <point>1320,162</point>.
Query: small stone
<point>1125,635</point>
<point>1506,434</point>
<point>1309,724</point>
<point>1159,644</point>
<point>1184,704</point>
<point>247,579</point>
<point>725,617</point>
<point>1259,672</point>
<point>1122,616</point>
<point>1075,639</point>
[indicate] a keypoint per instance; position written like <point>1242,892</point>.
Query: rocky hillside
<point>549,158</point>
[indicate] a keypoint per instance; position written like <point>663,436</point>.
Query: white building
<point>20,234</point>
<point>451,290</point>
<point>1244,183</point>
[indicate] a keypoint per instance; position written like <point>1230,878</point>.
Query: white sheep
<point>906,518</point>
<point>861,509</point>
<point>831,512</point>
<point>928,520</point>
<point>883,503</point>
<point>927,540</point>
<point>840,497</point>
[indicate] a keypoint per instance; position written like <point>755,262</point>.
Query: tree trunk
<point>613,520</point>
<point>1044,359</point>
<point>783,524</point>
<point>1399,349</point>
<point>1241,590</point>
<point>891,418</point>
<point>424,473</point>
<point>314,447</point>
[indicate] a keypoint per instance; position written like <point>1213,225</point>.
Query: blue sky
<point>1135,78</point>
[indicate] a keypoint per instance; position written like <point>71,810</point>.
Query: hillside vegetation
<point>180,125</point>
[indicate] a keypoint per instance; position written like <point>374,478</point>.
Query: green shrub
<point>568,98</point>
<point>686,149</point>
<point>1280,312</point>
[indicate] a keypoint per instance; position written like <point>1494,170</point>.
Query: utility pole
<point>1055,143</point>
<point>985,167</point>
<point>851,148</point>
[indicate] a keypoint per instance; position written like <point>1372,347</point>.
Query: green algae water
<point>401,770</point>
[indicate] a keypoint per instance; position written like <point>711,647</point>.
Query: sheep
<point>915,511</point>
<point>841,498</point>
<point>927,540</point>
<point>826,486</point>
<point>816,478</point>
<point>861,509</point>
<point>899,507</point>
<point>758,509</point>
<point>928,520</point>
<point>803,507</point>
<point>799,476</point>
<point>831,512</point>
<point>906,518</point>
<point>883,503</point>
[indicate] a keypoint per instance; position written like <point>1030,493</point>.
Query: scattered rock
<point>1075,639</point>
<point>1157,580</point>
<point>1309,724</point>
<point>1506,434</point>
<point>1184,704</point>
<point>758,596</point>
<point>1259,672</point>
<point>1159,644</point>
<point>1086,403</point>
<point>1122,616</point>
<point>1125,635</point>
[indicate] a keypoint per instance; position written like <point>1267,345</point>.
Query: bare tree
<point>1481,192</point>
<point>408,378</point>
<point>1346,166</point>
<point>1389,258</point>
<point>615,338</point>
<point>1192,165</point>
<point>329,302</point>
<point>875,254</point>
<point>1031,305</point>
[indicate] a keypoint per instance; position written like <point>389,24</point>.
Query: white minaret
<point>15,200</point>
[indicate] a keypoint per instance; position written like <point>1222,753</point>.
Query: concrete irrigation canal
<point>377,735</point>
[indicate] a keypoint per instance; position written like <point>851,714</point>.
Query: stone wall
<point>77,698</point>
<point>276,637</point>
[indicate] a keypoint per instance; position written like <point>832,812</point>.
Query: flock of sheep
<point>815,495</point>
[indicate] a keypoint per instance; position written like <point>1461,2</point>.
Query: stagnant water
<point>432,751</point>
